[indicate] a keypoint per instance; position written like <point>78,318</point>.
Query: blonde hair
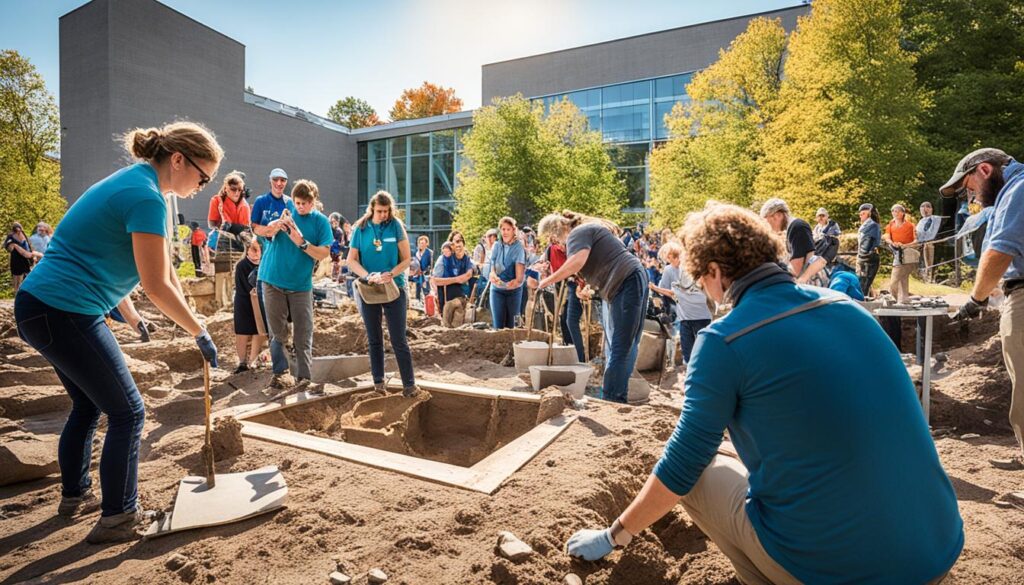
<point>559,224</point>
<point>735,238</point>
<point>306,190</point>
<point>672,249</point>
<point>156,144</point>
<point>380,198</point>
<point>509,220</point>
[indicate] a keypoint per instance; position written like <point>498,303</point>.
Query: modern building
<point>117,58</point>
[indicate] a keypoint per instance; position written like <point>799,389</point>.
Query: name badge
<point>392,240</point>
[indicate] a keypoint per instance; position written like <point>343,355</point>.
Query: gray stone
<point>572,579</point>
<point>158,392</point>
<point>338,578</point>
<point>512,548</point>
<point>376,576</point>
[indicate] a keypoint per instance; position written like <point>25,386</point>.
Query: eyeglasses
<point>204,179</point>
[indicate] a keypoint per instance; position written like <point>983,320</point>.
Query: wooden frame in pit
<point>486,476</point>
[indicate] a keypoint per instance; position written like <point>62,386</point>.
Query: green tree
<point>849,111</point>
<point>970,57</point>
<point>716,147</point>
<point>525,164</point>
<point>29,130</point>
<point>29,122</point>
<point>353,112</point>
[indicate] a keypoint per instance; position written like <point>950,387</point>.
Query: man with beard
<point>995,179</point>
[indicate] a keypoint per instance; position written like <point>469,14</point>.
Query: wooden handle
<point>208,443</point>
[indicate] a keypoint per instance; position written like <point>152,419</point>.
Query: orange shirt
<point>236,213</point>
<point>903,234</point>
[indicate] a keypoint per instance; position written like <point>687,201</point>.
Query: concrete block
<point>651,354</point>
<point>639,391</point>
<point>535,353</point>
<point>571,379</point>
<point>331,368</point>
<point>512,548</point>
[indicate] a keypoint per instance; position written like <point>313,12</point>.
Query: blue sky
<point>310,53</point>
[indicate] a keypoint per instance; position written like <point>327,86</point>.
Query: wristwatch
<point>303,245</point>
<point>620,536</point>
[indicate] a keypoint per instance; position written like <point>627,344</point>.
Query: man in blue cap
<point>993,178</point>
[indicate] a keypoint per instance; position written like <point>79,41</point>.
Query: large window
<point>421,172</point>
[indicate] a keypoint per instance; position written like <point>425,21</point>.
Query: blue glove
<point>206,346</point>
<point>590,545</point>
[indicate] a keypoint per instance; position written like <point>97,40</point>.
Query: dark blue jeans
<point>571,317</point>
<point>505,307</point>
<point>373,316</point>
<point>90,364</point>
<point>688,335</point>
<point>626,321</point>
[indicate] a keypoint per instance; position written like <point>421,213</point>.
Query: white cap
<point>278,173</point>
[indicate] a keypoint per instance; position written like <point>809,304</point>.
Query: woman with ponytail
<point>594,251</point>
<point>110,240</point>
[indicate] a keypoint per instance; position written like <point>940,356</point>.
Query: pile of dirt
<point>345,514</point>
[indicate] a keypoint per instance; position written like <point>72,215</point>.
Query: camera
<point>246,192</point>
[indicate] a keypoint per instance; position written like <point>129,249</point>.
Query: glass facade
<point>420,171</point>
<point>631,119</point>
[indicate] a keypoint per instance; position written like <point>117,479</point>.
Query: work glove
<point>590,545</point>
<point>971,309</point>
<point>206,346</point>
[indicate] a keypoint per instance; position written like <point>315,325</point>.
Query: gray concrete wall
<point>160,66</point>
<point>405,128</point>
<point>657,54</point>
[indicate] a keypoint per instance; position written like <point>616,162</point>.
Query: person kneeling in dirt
<point>298,240</point>
<point>995,179</point>
<point>827,483</point>
<point>59,311</point>
<point>595,251</point>
<point>456,270</point>
<point>379,256</point>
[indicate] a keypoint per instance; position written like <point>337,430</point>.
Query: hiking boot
<point>282,381</point>
<point>1015,463</point>
<point>83,504</point>
<point>242,367</point>
<point>302,384</point>
<point>117,528</point>
<point>380,387</point>
<point>316,389</point>
<point>410,391</point>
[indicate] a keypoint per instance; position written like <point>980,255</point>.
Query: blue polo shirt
<point>90,263</point>
<point>287,267</point>
<point>845,482</point>
<point>389,233</point>
<point>1006,228</point>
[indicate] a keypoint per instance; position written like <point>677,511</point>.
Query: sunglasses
<point>204,179</point>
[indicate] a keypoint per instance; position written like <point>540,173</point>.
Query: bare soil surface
<point>348,516</point>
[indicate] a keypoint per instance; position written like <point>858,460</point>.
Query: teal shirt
<point>845,483</point>
<point>287,267</point>
<point>90,264</point>
<point>390,234</point>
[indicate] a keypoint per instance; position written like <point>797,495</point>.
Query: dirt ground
<point>348,516</point>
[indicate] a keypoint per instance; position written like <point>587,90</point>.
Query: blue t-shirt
<point>1006,228</point>
<point>90,263</point>
<point>845,483</point>
<point>266,208</point>
<point>847,283</point>
<point>504,258</point>
<point>287,267</point>
<point>389,233</point>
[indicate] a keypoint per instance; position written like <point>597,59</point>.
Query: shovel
<point>560,298</point>
<point>212,501</point>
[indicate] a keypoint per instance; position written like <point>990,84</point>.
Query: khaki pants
<point>222,288</point>
<point>716,505</point>
<point>454,313</point>
<point>927,259</point>
<point>1011,333</point>
<point>899,284</point>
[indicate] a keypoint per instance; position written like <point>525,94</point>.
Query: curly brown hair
<point>734,237</point>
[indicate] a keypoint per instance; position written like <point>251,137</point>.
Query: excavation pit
<point>463,436</point>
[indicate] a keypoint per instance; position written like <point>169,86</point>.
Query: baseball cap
<point>821,211</point>
<point>278,173</point>
<point>968,164</point>
<point>773,205</point>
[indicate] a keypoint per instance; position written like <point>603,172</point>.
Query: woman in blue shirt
<point>113,237</point>
<point>822,483</point>
<point>380,247</point>
<point>508,267</point>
